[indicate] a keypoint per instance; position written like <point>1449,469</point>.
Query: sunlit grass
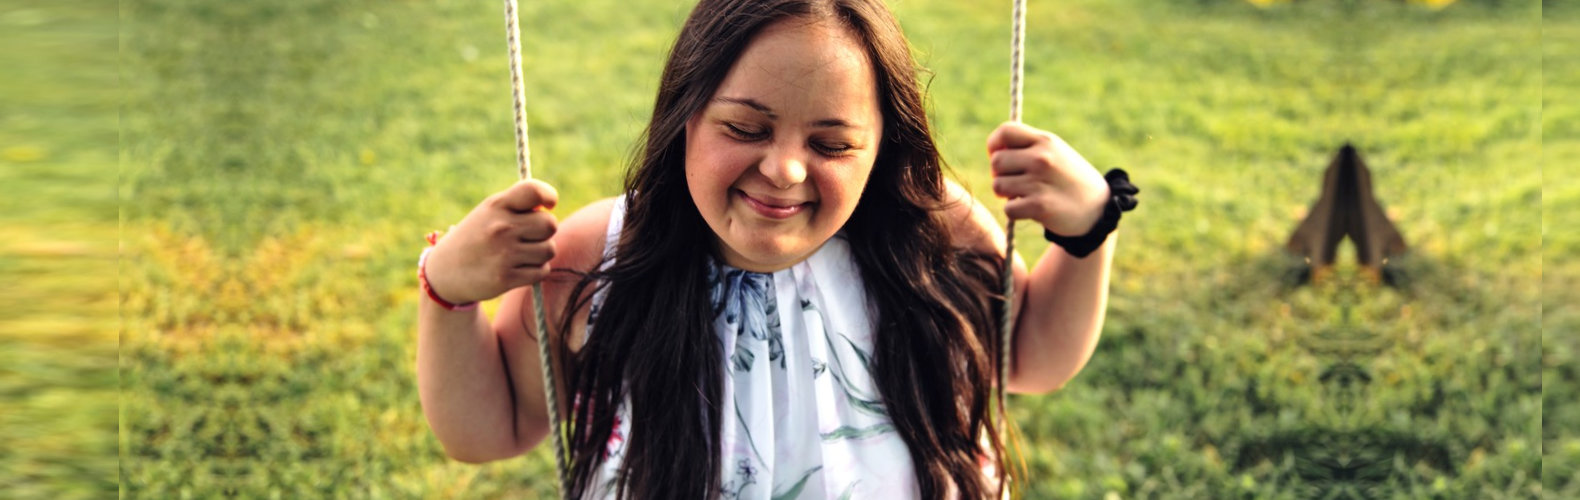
<point>57,250</point>
<point>280,162</point>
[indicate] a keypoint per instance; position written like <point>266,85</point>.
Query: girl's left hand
<point>1045,180</point>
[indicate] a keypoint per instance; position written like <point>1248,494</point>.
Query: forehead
<point>810,65</point>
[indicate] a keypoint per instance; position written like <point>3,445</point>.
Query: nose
<point>784,167</point>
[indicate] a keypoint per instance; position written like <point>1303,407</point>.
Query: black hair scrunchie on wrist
<point>1122,199</point>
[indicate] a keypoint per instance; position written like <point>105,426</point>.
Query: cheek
<point>712,166</point>
<point>845,185</point>
<point>697,178</point>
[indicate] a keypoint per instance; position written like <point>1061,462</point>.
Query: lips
<point>773,208</point>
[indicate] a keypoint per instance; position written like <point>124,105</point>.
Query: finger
<point>533,254</point>
<point>529,195</point>
<point>1016,186</point>
<point>1027,208</point>
<point>1016,161</point>
<point>536,226</point>
<point>528,275</point>
<point>1012,135</point>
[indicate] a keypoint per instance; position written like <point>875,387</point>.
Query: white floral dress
<point>803,417</point>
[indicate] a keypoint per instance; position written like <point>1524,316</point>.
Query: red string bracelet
<point>422,278</point>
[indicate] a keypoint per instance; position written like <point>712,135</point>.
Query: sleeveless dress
<point>802,416</point>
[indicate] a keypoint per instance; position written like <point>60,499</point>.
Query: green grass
<point>57,250</point>
<point>279,162</point>
<point>1560,246</point>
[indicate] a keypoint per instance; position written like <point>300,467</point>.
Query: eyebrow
<point>764,109</point>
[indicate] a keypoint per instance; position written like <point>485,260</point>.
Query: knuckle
<point>496,200</point>
<point>537,229</point>
<point>1045,165</point>
<point>1046,137</point>
<point>519,276</point>
<point>1041,209</point>
<point>549,224</point>
<point>539,253</point>
<point>498,228</point>
<point>533,274</point>
<point>1046,160</point>
<point>1003,188</point>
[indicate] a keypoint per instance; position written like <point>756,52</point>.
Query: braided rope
<point>518,92</point>
<point>524,172</point>
<point>1007,320</point>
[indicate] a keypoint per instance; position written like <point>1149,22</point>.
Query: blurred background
<point>211,213</point>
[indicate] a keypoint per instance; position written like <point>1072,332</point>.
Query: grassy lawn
<point>1560,248</point>
<point>280,161</point>
<point>58,233</point>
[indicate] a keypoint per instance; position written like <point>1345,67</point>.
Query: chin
<point>772,254</point>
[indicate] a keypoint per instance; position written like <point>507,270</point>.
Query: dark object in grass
<point>1347,208</point>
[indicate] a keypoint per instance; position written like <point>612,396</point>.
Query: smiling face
<point>777,160</point>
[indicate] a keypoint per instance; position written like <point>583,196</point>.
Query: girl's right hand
<point>504,243</point>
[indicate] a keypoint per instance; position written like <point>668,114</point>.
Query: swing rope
<point>524,172</point>
<point>1007,319</point>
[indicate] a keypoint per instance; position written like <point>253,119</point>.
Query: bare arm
<point>1062,305</point>
<point>464,391</point>
<point>1061,302</point>
<point>481,384</point>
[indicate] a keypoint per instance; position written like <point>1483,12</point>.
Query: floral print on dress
<point>802,414</point>
<point>747,303</point>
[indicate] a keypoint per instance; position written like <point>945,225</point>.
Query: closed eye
<point>745,134</point>
<point>835,149</point>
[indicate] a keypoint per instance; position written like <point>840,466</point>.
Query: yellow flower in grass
<point>1433,4</point>
<point>22,154</point>
<point>1265,3</point>
<point>1297,377</point>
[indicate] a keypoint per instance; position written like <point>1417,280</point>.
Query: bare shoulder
<point>579,241</point>
<point>971,225</point>
<point>578,249</point>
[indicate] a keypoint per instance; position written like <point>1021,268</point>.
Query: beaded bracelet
<point>422,278</point>
<point>1122,200</point>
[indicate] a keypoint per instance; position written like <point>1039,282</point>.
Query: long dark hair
<point>654,340</point>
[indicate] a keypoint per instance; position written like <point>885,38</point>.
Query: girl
<point>788,301</point>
